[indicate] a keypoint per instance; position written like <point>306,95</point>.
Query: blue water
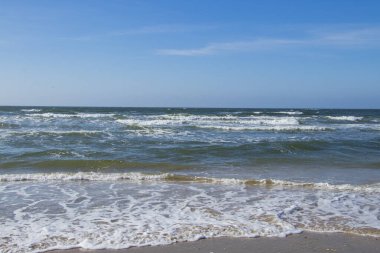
<point>316,170</point>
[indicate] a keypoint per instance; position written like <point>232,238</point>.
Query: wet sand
<point>305,242</point>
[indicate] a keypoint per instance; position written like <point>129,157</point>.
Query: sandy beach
<point>305,242</point>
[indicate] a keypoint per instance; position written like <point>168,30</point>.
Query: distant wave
<point>31,110</point>
<point>77,115</point>
<point>56,132</point>
<point>345,118</point>
<point>290,112</point>
<point>269,128</point>
<point>8,125</point>
<point>225,122</point>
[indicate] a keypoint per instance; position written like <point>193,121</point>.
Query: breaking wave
<point>169,177</point>
<point>345,118</point>
<point>290,112</point>
<point>72,115</point>
<point>225,122</point>
<point>31,110</point>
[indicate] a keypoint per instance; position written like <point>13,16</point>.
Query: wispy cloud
<point>144,30</point>
<point>214,48</point>
<point>354,38</point>
<point>165,28</point>
<point>357,37</point>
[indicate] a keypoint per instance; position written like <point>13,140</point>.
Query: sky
<point>193,53</point>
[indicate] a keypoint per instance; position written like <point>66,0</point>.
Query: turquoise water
<point>120,177</point>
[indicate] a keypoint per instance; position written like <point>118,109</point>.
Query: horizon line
<point>194,107</point>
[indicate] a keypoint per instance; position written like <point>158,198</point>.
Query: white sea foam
<point>168,177</point>
<point>358,126</point>
<point>345,118</point>
<point>109,218</point>
<point>53,132</point>
<point>31,110</point>
<point>51,115</point>
<point>112,214</point>
<point>95,115</point>
<point>290,112</point>
<point>68,115</point>
<point>268,128</point>
<point>85,176</point>
<point>62,132</point>
<point>225,122</point>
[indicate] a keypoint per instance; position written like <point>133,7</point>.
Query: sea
<point>113,178</point>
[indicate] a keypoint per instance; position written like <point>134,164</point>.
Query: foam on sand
<point>46,215</point>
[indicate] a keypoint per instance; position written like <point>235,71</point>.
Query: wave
<point>225,122</point>
<point>8,125</point>
<point>163,123</point>
<point>72,115</point>
<point>345,118</point>
<point>179,178</point>
<point>268,128</point>
<point>290,112</point>
<point>88,165</point>
<point>358,126</point>
<point>31,110</point>
<point>81,176</point>
<point>183,118</point>
<point>56,132</point>
<point>69,132</point>
<point>50,153</point>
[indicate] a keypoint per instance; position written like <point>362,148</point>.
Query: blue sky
<point>198,53</point>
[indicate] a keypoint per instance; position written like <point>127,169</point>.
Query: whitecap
<point>345,118</point>
<point>71,115</point>
<point>31,110</point>
<point>290,112</point>
<point>169,177</point>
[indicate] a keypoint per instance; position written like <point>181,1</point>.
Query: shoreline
<point>296,243</point>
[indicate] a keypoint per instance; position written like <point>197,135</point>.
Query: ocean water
<point>119,177</point>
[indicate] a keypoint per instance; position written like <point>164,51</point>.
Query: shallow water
<point>121,177</point>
